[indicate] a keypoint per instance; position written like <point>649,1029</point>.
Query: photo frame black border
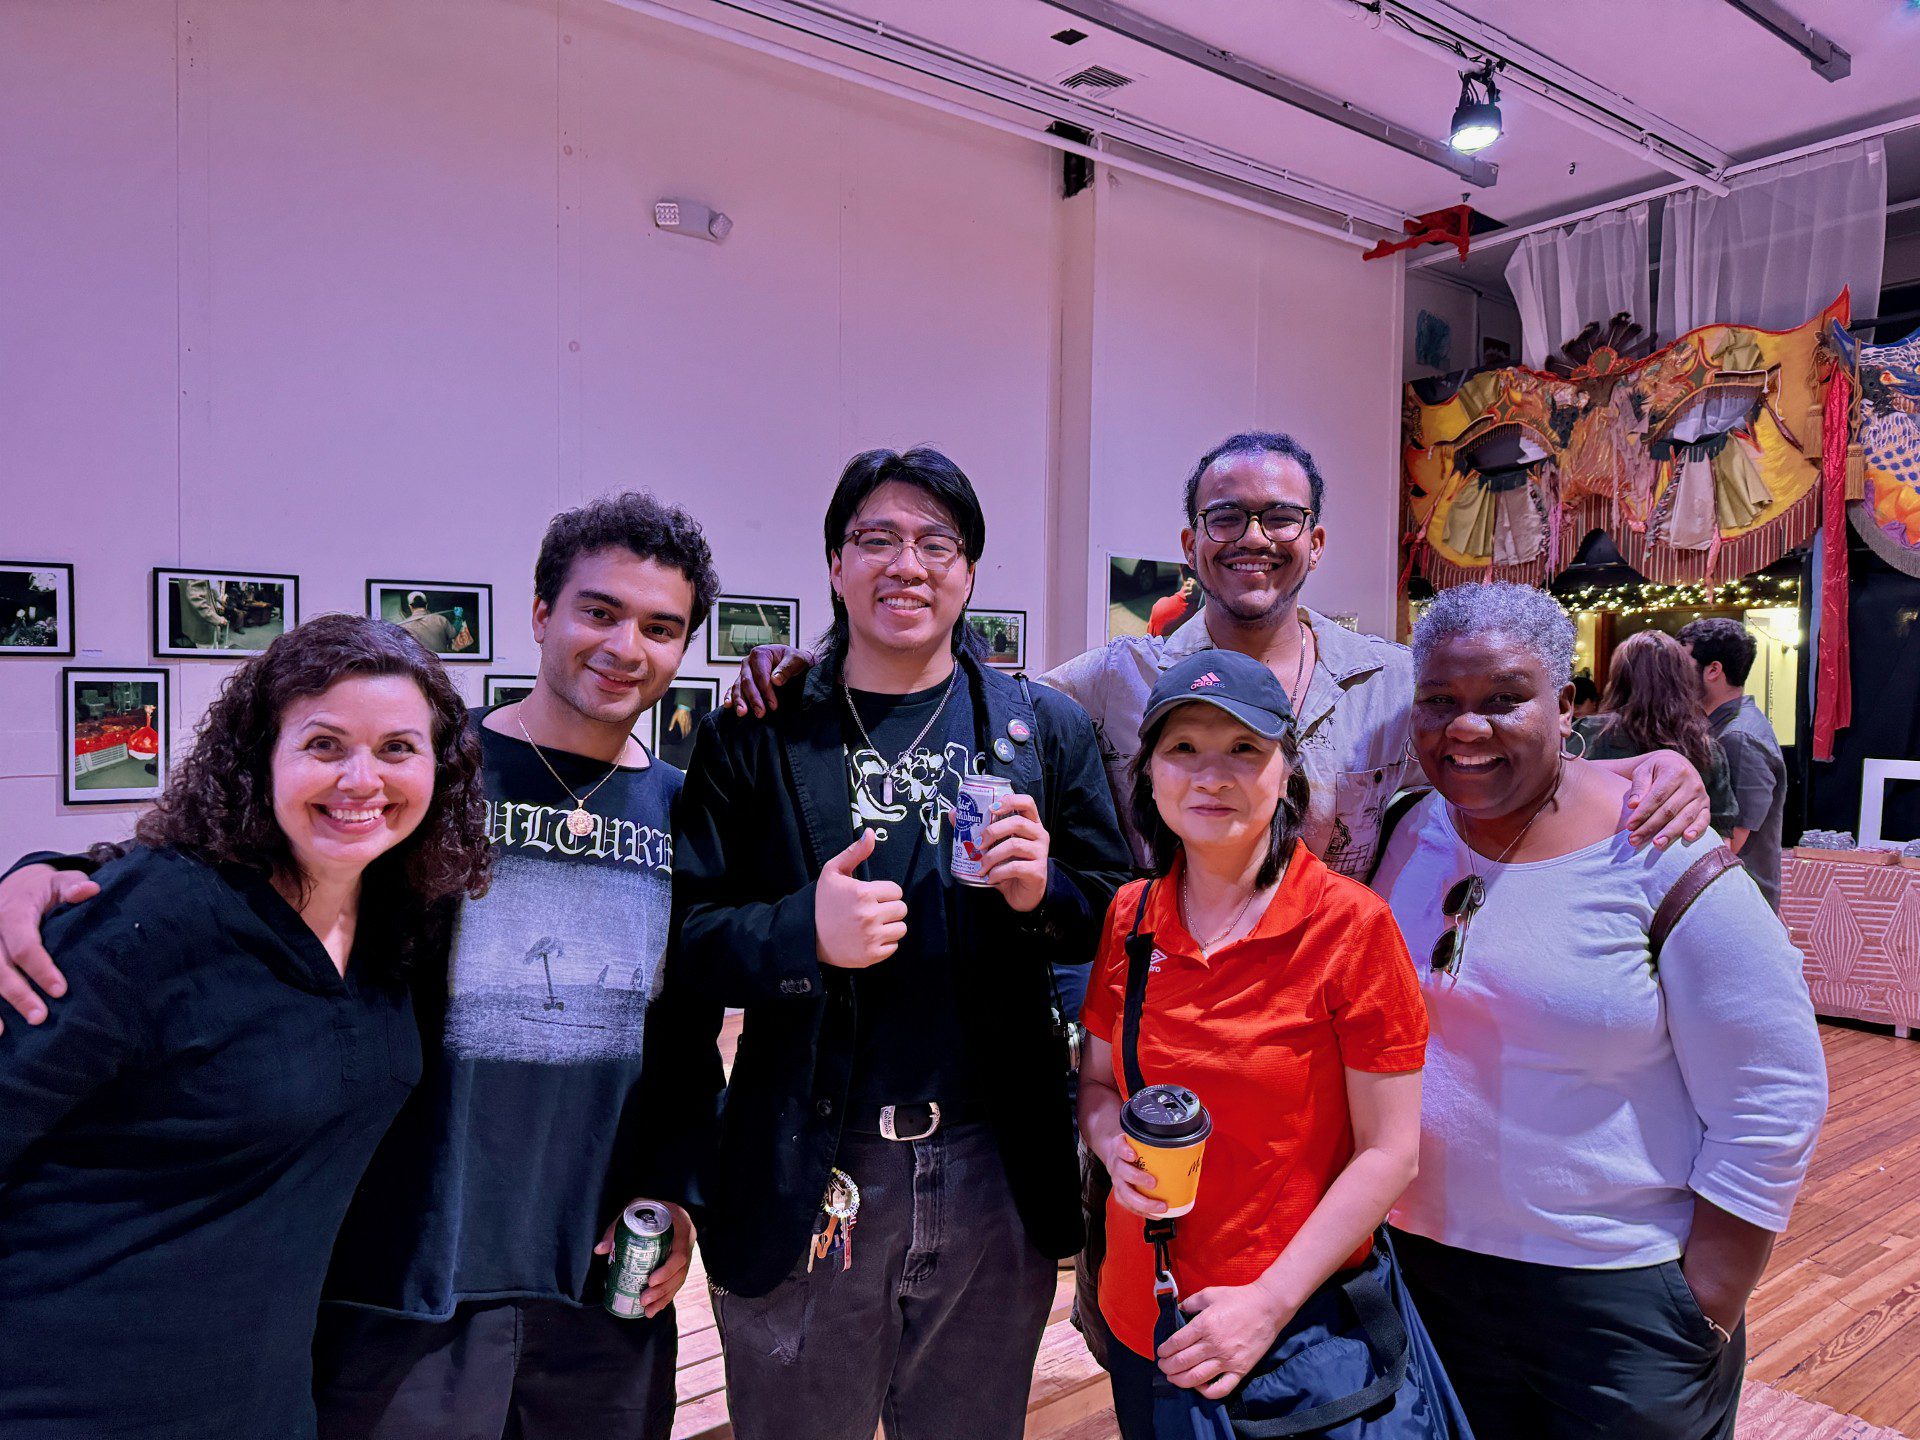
<point>489,680</point>
<point>164,714</point>
<point>1019,661</point>
<point>162,573</point>
<point>713,623</point>
<point>18,652</point>
<point>483,652</point>
<point>652,736</point>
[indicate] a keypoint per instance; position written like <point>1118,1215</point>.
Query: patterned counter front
<point>1856,918</point>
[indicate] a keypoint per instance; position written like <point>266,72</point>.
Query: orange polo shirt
<point>1263,1032</point>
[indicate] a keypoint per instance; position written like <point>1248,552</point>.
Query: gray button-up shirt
<point>1759,773</point>
<point>1354,727</point>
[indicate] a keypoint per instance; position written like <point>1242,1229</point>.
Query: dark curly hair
<point>632,520</point>
<point>1256,442</point>
<point>218,803</point>
<point>1288,816</point>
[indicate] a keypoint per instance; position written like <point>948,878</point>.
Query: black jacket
<point>765,805</point>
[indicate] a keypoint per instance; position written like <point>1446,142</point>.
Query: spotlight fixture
<point>1476,119</point>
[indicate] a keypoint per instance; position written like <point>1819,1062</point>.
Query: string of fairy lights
<point>1750,592</point>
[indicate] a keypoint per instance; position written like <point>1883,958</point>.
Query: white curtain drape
<point>1563,279</point>
<point>1779,247</point>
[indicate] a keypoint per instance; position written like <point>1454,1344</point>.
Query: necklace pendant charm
<point>579,821</point>
<point>886,790</point>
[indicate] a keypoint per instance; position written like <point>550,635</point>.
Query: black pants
<point>932,1329</point>
<point>515,1369</point>
<point>1543,1352</point>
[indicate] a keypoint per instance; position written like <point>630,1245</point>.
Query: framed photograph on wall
<point>36,608</point>
<point>505,689</point>
<point>680,711</point>
<point>452,619</point>
<point>740,622</point>
<point>1149,597</point>
<point>213,613</point>
<point>115,740</point>
<point>1004,635</point>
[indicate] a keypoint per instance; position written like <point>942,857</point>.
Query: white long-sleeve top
<point>1574,1104</point>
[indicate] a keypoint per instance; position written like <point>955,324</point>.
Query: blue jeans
<point>934,1327</point>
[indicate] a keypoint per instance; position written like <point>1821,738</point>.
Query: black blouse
<point>178,1143</point>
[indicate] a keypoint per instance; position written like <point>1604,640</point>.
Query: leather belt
<point>916,1121</point>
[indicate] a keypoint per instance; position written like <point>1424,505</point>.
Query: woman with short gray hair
<point>1624,1079</point>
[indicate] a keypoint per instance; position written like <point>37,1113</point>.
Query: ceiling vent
<point>1094,80</point>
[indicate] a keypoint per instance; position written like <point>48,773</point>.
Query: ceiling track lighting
<point>1476,119</point>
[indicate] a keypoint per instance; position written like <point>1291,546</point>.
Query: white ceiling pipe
<point>838,26</point>
<point>853,76</point>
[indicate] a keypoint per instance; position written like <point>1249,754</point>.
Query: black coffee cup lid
<point>1166,1114</point>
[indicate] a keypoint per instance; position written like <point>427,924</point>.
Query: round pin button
<point>1004,750</point>
<point>1019,731</point>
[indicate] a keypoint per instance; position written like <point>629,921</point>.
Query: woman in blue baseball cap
<point>1279,997</point>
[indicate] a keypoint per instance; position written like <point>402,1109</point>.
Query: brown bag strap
<point>1687,889</point>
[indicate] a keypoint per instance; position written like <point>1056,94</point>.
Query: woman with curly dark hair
<point>1653,702</point>
<point>180,1138</point>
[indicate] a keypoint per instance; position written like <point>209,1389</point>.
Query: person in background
<point>1653,702</point>
<point>568,1072</point>
<point>1724,650</point>
<point>1586,696</point>
<point>431,628</point>
<point>1282,995</point>
<point>1619,1106</point>
<point>181,1137</point>
<point>1170,612</point>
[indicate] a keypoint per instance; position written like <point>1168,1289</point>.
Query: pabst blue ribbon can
<point>972,812</point>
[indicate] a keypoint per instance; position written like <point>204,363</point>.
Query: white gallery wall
<point>372,288</point>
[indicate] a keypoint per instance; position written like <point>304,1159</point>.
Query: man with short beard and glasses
<point>568,1072</point>
<point>897,1171</point>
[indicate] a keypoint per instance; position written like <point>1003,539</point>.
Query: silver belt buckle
<point>886,1122</point>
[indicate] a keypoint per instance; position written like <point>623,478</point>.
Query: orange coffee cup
<point>1169,1128</point>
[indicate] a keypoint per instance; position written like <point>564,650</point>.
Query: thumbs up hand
<point>856,923</point>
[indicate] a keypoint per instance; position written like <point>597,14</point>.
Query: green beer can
<point>640,1243</point>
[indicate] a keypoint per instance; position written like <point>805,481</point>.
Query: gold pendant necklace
<point>580,820</point>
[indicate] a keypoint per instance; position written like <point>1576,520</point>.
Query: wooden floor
<point>1836,1320</point>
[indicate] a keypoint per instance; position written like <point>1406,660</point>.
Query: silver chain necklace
<point>892,772</point>
<point>1186,904</point>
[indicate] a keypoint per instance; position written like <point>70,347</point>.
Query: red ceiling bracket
<point>1451,226</point>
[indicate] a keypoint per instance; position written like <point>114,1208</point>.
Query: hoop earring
<point>1408,748</point>
<point>1579,754</point>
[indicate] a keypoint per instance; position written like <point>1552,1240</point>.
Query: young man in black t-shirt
<point>897,1170</point>
<point>567,1072</point>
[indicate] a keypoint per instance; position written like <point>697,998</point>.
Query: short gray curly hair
<point>1518,612</point>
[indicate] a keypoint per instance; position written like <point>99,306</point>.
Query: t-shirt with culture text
<point>528,1130</point>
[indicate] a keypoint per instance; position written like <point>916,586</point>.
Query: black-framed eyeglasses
<point>1280,523</point>
<point>1463,900</point>
<point>883,547</point>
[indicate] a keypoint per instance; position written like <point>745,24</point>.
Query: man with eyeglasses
<point>897,1171</point>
